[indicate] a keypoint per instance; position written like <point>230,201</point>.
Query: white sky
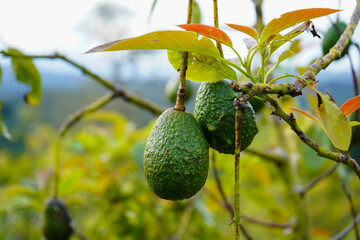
<point>45,26</point>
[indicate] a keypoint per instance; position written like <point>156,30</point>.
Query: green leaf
<point>336,124</point>
<point>283,56</point>
<point>196,14</point>
<point>279,40</point>
<point>202,68</point>
<point>290,19</point>
<point>26,72</point>
<point>152,8</point>
<point>170,40</point>
<point>354,123</point>
<point>4,130</point>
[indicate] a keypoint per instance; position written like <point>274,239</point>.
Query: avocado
<point>172,87</point>
<point>176,157</point>
<point>57,221</point>
<point>215,112</point>
<point>332,36</point>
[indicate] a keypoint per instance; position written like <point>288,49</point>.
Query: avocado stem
<point>240,106</point>
<point>180,99</point>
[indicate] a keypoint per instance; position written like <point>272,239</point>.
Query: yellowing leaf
<point>247,30</point>
<point>351,105</point>
<point>354,123</point>
<point>26,72</point>
<point>208,31</point>
<point>290,19</point>
<point>171,40</point>
<point>336,124</point>
<point>202,68</point>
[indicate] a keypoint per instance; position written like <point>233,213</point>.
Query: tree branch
<point>346,230</point>
<point>352,210</point>
<point>322,152</point>
<point>227,205</point>
<point>120,91</point>
<point>308,187</point>
<point>277,158</point>
<point>76,116</point>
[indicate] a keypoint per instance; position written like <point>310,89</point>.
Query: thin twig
<point>346,230</point>
<point>120,91</point>
<point>277,158</point>
<point>216,24</point>
<point>266,224</point>
<point>76,116</point>
<point>352,209</point>
<point>227,205</point>
<point>312,184</point>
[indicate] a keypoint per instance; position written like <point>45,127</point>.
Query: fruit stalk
<point>180,100</point>
<point>240,107</point>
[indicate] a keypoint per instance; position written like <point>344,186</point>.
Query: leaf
<point>289,19</point>
<point>171,40</point>
<point>351,105</point>
<point>244,29</point>
<point>26,72</point>
<point>208,31</point>
<point>336,124</point>
<point>306,114</point>
<point>152,8</point>
<point>196,13</point>
<point>202,68</point>
<point>283,56</point>
<point>279,40</point>
<point>4,130</point>
<point>354,123</point>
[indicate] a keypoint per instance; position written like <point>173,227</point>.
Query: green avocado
<point>57,221</point>
<point>176,157</point>
<point>215,112</point>
<point>332,36</point>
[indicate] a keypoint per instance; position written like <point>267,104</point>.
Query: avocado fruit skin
<point>57,221</point>
<point>215,112</point>
<point>176,157</point>
<point>332,36</point>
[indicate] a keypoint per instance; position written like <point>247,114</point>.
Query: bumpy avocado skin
<point>176,157</point>
<point>57,221</point>
<point>215,112</point>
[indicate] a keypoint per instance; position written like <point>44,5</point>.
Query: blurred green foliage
<point>103,186</point>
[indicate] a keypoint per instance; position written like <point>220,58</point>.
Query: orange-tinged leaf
<point>351,105</point>
<point>208,31</point>
<point>336,124</point>
<point>170,40</point>
<point>306,114</point>
<point>289,19</point>
<point>244,29</point>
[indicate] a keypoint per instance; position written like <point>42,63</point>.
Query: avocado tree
<point>176,156</point>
